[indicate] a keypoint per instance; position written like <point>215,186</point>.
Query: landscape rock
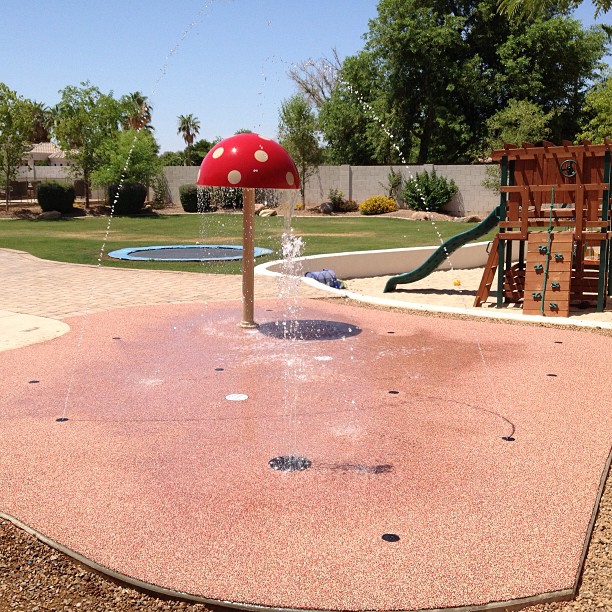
<point>268,212</point>
<point>259,208</point>
<point>50,215</point>
<point>326,208</point>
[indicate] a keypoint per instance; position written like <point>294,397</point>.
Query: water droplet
<point>236,397</point>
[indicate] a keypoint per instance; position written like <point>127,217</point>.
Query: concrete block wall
<point>356,182</point>
<point>360,182</point>
<point>180,175</point>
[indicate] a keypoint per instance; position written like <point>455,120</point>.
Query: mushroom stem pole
<point>248,258</point>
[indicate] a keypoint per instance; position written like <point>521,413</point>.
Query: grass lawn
<point>80,240</point>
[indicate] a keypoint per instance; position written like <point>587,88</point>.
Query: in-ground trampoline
<point>185,252</point>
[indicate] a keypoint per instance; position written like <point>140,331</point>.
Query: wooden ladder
<point>488,275</point>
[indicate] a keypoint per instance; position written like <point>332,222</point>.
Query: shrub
<point>339,204</point>
<point>161,191</point>
<point>346,206</point>
<point>129,200</point>
<point>428,191</point>
<point>377,205</point>
<point>55,196</point>
<point>189,197</point>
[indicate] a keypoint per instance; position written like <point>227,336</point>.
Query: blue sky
<point>225,61</point>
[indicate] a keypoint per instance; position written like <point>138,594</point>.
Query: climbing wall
<point>548,274</point>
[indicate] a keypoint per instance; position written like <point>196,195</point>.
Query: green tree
<point>297,132</point>
<point>520,121</point>
<point>535,8</point>
<point>188,128</point>
<point>432,72</point>
<point>353,119</point>
<point>552,63</point>
<point>15,127</point>
<point>85,119</point>
<point>129,156</point>
<point>172,158</point>
<point>200,148</point>
<point>597,123</point>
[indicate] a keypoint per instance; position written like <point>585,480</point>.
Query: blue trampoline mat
<point>184,252</point>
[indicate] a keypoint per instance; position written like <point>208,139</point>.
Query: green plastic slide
<point>443,251</point>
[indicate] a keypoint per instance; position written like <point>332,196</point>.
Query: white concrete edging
<point>364,264</point>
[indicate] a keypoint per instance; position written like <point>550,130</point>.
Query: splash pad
<point>416,496</point>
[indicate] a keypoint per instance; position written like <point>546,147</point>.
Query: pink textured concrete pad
<point>157,475</point>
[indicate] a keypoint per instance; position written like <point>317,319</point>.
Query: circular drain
<point>236,397</point>
<point>61,419</point>
<point>390,537</point>
<point>289,463</point>
<point>508,438</point>
<point>33,382</point>
<point>394,392</point>
<point>552,375</point>
<point>219,369</point>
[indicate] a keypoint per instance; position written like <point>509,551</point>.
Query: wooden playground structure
<point>555,203</point>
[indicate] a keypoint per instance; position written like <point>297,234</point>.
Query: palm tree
<point>137,113</point>
<point>189,128</point>
<point>42,122</point>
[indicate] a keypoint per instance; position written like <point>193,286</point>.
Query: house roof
<point>45,150</point>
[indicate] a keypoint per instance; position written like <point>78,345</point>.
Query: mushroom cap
<point>249,160</point>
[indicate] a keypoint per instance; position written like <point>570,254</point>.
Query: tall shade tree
<point>520,121</point>
<point>297,132</point>
<point>598,121</point>
<point>85,119</point>
<point>552,63</point>
<point>136,112</point>
<point>15,128</point>
<point>352,118</point>
<point>432,72</point>
<point>188,128</point>
<point>535,8</point>
<point>316,79</point>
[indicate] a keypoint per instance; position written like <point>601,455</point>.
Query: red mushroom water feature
<point>248,161</point>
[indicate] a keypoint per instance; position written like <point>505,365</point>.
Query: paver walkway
<point>58,290</point>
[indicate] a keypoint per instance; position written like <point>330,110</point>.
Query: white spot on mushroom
<point>261,156</point>
<point>218,152</point>
<point>234,177</point>
<point>290,178</point>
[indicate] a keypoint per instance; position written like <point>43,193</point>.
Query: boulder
<point>326,208</point>
<point>420,215</point>
<point>268,212</point>
<point>50,215</point>
<point>259,208</point>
